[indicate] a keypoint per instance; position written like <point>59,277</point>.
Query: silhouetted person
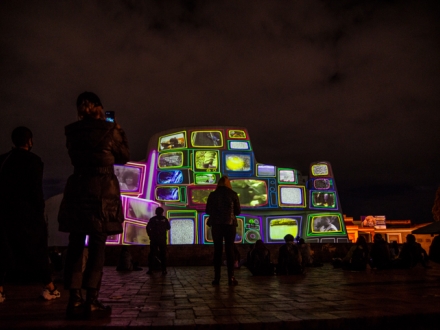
<point>157,228</point>
<point>380,253</point>
<point>92,203</point>
<point>356,258</point>
<point>222,207</point>
<point>259,262</point>
<point>434,250</point>
<point>23,230</point>
<point>394,250</point>
<point>411,254</point>
<point>289,258</point>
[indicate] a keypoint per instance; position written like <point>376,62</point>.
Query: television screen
<point>237,134</point>
<point>170,159</point>
<point>265,170</point>
<point>206,160</point>
<point>170,177</point>
<point>323,184</point>
<point>291,196</point>
<point>182,231</point>
<point>287,176</point>
<point>139,209</point>
<point>167,194</point>
<point>251,193</point>
<point>239,145</point>
<point>238,162</point>
<point>199,195</point>
<point>320,169</point>
<point>129,177</point>
<point>281,226</point>
<point>172,141</point>
<point>205,178</point>
<point>326,223</point>
<point>207,139</point>
<point>324,199</point>
<point>135,233</point>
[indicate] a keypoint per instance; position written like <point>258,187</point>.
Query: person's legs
<point>152,256</point>
<point>163,256</point>
<point>229,234</point>
<point>217,236</point>
<point>95,261</point>
<point>73,275</point>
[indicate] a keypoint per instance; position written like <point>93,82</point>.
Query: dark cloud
<point>351,82</point>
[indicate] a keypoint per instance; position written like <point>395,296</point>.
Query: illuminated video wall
<point>183,167</point>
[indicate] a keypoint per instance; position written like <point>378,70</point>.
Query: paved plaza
<point>323,298</point>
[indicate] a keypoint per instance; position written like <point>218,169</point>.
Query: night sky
<point>355,83</point>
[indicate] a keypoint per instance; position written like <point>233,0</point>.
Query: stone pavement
<point>323,298</point>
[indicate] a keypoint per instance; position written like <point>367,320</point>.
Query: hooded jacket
<point>223,206</point>
<point>92,201</point>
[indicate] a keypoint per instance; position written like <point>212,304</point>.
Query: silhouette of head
<point>159,211</point>
<point>20,136</point>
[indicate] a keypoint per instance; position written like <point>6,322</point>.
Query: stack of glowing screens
<point>135,233</point>
<point>182,231</point>
<point>252,193</point>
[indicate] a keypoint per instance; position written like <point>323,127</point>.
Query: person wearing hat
<point>91,203</point>
<point>289,258</point>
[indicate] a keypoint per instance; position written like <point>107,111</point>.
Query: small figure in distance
<point>126,262</point>
<point>380,257</point>
<point>356,258</point>
<point>289,258</point>
<point>411,254</point>
<point>91,203</point>
<point>157,228</point>
<point>23,230</point>
<point>259,263</point>
<point>222,207</point>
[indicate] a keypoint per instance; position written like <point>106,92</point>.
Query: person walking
<point>222,207</point>
<point>91,203</point>
<point>157,228</point>
<point>23,229</point>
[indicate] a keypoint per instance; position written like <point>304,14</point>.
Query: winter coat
<point>92,201</point>
<point>223,205</point>
<point>157,228</point>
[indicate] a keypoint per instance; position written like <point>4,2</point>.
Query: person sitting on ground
<point>126,262</point>
<point>289,258</point>
<point>356,258</point>
<point>394,250</point>
<point>380,253</point>
<point>306,254</point>
<point>259,263</point>
<point>411,254</point>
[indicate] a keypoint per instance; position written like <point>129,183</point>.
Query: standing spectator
<point>23,230</point>
<point>157,228</point>
<point>222,207</point>
<point>92,203</point>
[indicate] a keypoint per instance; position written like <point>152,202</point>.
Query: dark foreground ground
<point>324,298</point>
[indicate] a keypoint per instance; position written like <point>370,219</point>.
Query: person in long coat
<point>91,204</point>
<point>223,206</point>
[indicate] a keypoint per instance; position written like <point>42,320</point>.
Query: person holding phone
<point>91,203</point>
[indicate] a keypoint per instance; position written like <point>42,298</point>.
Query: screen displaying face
<point>172,141</point>
<point>206,160</point>
<point>167,194</point>
<point>170,177</point>
<point>327,223</point>
<point>182,231</point>
<point>239,163</point>
<point>291,196</point>
<point>280,227</point>
<point>207,139</point>
<point>135,233</point>
<point>287,176</point>
<point>323,199</point>
<point>170,159</point>
<point>320,169</point>
<point>265,170</point>
<point>128,177</point>
<point>250,192</point>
